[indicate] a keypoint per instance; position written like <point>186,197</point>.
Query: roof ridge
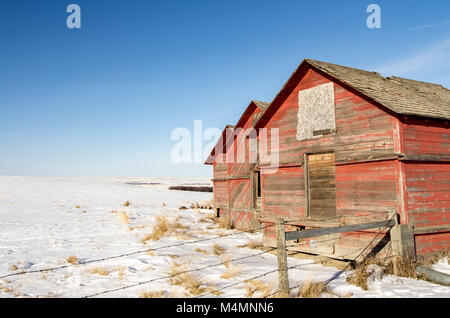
<point>417,81</point>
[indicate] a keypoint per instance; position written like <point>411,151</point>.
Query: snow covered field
<point>46,220</point>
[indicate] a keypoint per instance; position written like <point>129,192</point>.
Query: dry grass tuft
<point>433,259</point>
<point>359,278</point>
<point>163,227</point>
<point>6,289</point>
<point>192,284</point>
<point>406,267</point>
<point>311,289</point>
<point>153,294</point>
<point>256,286</point>
<point>254,244</point>
<point>218,250</point>
<point>100,271</point>
<point>208,218</point>
<point>225,223</point>
<point>14,267</point>
<point>127,203</point>
<point>206,205</point>
<point>124,218</point>
<point>159,229</point>
<point>72,260</point>
<point>121,270</point>
<point>151,253</point>
<point>230,272</point>
<point>183,208</point>
<point>360,275</point>
<point>231,269</point>
<point>199,250</point>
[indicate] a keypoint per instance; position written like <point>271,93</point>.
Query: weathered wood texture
<point>365,191</point>
<point>382,161</point>
<point>340,246</point>
<point>428,202</point>
<point>241,165</point>
<point>426,138</point>
<point>321,184</point>
<point>283,193</point>
<point>363,130</point>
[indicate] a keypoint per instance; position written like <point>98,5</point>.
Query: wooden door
<point>321,189</point>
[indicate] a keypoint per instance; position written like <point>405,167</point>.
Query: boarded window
<point>321,186</point>
<point>316,111</point>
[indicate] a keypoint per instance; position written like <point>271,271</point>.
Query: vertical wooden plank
<point>283,286</point>
<point>306,175</point>
<point>321,185</point>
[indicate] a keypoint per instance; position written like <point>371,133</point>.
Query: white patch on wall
<point>316,111</point>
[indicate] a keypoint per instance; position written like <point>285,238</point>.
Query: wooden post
<point>283,286</point>
<point>402,240</point>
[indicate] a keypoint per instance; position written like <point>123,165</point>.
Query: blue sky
<point>104,99</point>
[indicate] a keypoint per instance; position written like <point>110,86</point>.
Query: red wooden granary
<point>352,146</point>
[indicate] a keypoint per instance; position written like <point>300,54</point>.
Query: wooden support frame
<point>296,235</point>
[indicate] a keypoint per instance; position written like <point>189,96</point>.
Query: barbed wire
<point>178,273</point>
<point>130,253</point>
<point>335,276</point>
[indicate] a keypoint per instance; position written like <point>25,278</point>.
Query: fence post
<point>283,285</point>
<point>402,240</point>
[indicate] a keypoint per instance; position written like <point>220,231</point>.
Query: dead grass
<point>254,244</point>
<point>127,203</point>
<point>224,223</point>
<point>433,259</point>
<point>208,218</point>
<point>158,230</point>
<point>230,272</point>
<point>164,226</point>
<point>360,274</point>
<point>120,270</point>
<point>218,250</point>
<point>199,250</point>
<point>124,218</point>
<point>6,289</point>
<point>72,260</point>
<point>205,205</point>
<point>14,267</point>
<point>153,294</point>
<point>100,271</point>
<point>311,289</point>
<point>187,280</point>
<point>406,268</point>
<point>256,286</point>
<point>231,269</point>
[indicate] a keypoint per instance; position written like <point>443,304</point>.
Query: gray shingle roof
<point>401,95</point>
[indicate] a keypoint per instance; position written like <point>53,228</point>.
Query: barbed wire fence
<point>214,291</point>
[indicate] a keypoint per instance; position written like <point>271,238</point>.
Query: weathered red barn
<point>352,145</point>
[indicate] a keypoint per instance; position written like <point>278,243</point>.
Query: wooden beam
<point>432,229</point>
<point>296,235</point>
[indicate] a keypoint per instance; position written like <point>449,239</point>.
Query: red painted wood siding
<point>426,137</point>
<point>363,132</point>
<point>220,171</point>
<point>283,193</point>
<point>365,191</point>
<point>363,129</point>
<point>428,193</point>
